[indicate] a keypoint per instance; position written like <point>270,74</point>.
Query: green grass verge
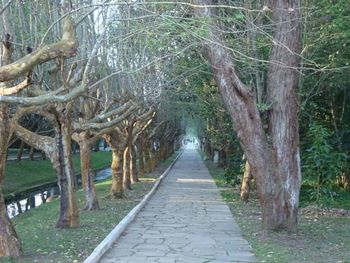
<point>26,174</point>
<point>321,239</point>
<point>42,242</point>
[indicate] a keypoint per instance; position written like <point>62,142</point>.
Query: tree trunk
<point>245,187</point>
<point>20,151</point>
<point>282,84</point>
<point>162,151</point>
<point>133,168</point>
<point>276,165</point>
<point>344,180</point>
<point>152,156</point>
<point>222,158</point>
<point>31,153</point>
<point>91,202</point>
<point>141,160</point>
<point>10,245</point>
<point>126,170</point>
<point>209,151</point>
<point>69,216</point>
<point>148,158</point>
<point>117,145</point>
<point>43,156</point>
<point>117,190</point>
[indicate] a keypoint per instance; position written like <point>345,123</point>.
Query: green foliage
<point>263,107</point>
<point>234,170</point>
<point>322,162</point>
<point>324,90</point>
<point>231,176</point>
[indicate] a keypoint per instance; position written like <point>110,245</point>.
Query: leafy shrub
<point>322,163</point>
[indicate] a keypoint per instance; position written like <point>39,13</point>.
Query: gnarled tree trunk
<point>275,162</point>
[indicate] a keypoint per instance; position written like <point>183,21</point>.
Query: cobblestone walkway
<point>185,221</point>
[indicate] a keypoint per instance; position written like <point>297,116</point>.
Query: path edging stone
<point>106,243</point>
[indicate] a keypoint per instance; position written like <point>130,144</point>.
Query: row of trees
<point>81,87</point>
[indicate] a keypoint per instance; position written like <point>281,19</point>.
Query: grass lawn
<point>42,242</point>
<point>27,174</point>
<point>320,239</point>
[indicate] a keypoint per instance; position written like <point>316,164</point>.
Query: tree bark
<point>133,168</point>
<point>9,241</point>
<point>91,202</point>
<point>117,190</point>
<point>69,216</point>
<point>275,165</point>
<point>31,153</point>
<point>282,84</point>
<point>148,157</point>
<point>126,170</point>
<point>64,48</point>
<point>20,151</point>
<point>117,146</point>
<point>245,187</point>
<point>141,159</point>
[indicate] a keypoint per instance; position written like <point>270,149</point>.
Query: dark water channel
<point>22,202</point>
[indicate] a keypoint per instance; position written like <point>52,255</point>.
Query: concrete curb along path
<point>103,247</point>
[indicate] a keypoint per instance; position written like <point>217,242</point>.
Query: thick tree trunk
<point>69,216</point>
<point>91,202</point>
<point>276,165</point>
<point>117,190</point>
<point>245,187</point>
<point>126,170</point>
<point>282,84</point>
<point>9,242</point>
<point>117,146</point>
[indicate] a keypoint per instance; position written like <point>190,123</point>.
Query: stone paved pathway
<point>185,221</point>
